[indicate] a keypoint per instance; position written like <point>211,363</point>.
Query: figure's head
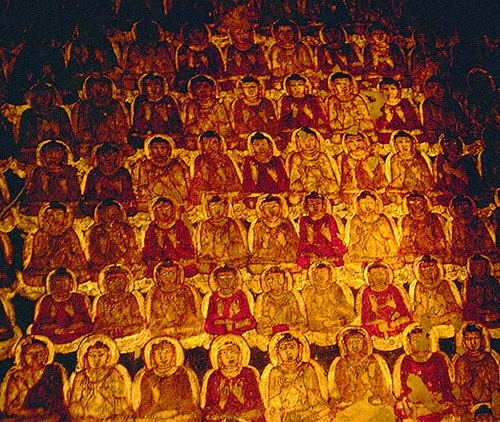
<point>321,276</point>
<point>153,86</point>
<point>211,143</point>
<point>308,141</point>
<point>435,87</point>
<point>417,204</point>
<point>251,88</point>
<point>34,353</point>
<point>195,34</point>
<point>116,281</point>
<point>217,207</point>
<point>479,268</point>
<point>463,207</point>
<point>43,96</point>
<point>429,272</point>
<point>262,146</point>
<point>110,212</point>
<point>276,280</point>
<point>342,84</point>
<point>473,338</point>
<point>379,276</point>
<point>202,87</point>
<point>99,89</point>
<point>164,210</point>
<point>97,356</point>
<point>480,82</point>
<point>160,150</point>
<point>390,87</point>
<point>356,142</point>
<point>452,148</point>
<point>53,154</point>
<point>242,34</point>
<point>60,284</point>
<point>147,32</point>
<point>404,143</point>
<point>315,204</point>
<point>334,36</point>
<point>55,216</point>
<point>378,33</point>
<point>483,414</point>
<point>272,208</point>
<point>419,340</point>
<point>229,356</point>
<point>367,202</point>
<point>164,355</point>
<point>107,157</point>
<point>226,280</point>
<point>168,275</point>
<point>289,348</point>
<point>296,85</point>
<point>355,342</point>
<point>285,32</point>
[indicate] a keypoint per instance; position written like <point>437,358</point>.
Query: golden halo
<point>90,341</point>
<point>179,351</point>
<point>221,341</point>
<point>263,279</point>
<point>342,334</point>
<point>273,346</point>
<point>28,339</point>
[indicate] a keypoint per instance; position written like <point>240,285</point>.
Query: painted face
<point>435,90</point>
<point>35,355</point>
<point>416,205</point>
<point>154,89</point>
<point>478,269</point>
<point>250,90</point>
<point>473,341</point>
<point>355,143</point>
<point>53,157</point>
<point>43,99</point>
<point>404,144</point>
<point>160,151</point>
<point>242,36</point>
<point>168,278</point>
<point>390,90</point>
<point>196,36</point>
<point>263,149</point>
<point>464,209</point>
<point>308,142</point>
<point>429,272</point>
<point>226,280</point>
<point>334,37</point>
<point>61,286</point>
<point>276,281</point>
<point>297,88</point>
<point>285,34</point>
<point>379,278</point>
<point>367,204</point>
<point>164,356</point>
<point>483,418</point>
<point>117,283</point>
<point>111,215</point>
<point>164,211</point>
<point>355,343</point>
<point>272,210</point>
<point>101,92</point>
<point>289,350</point>
<point>452,149</point>
<point>211,145</point>
<point>379,36</point>
<point>230,356</point>
<point>217,209</point>
<point>107,160</point>
<point>315,206</point>
<point>203,90</point>
<point>342,87</point>
<point>321,277</point>
<point>419,342</point>
<point>97,357</point>
<point>56,218</point>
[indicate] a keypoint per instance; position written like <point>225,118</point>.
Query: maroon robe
<point>482,299</point>
<point>255,118</point>
<point>385,128</point>
<point>249,62</point>
<point>268,177</point>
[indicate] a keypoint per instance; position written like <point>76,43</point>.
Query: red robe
<point>255,118</point>
<point>249,62</point>
<point>385,127</point>
<point>268,177</point>
<point>234,307</point>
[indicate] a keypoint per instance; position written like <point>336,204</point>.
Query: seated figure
<point>422,381</point>
<point>370,234</point>
<point>360,167</point>
<point>440,112</point>
<point>279,306</point>
<point>253,112</point>
<point>228,306</point>
<point>222,239</point>
<point>100,387</point>
<point>42,121</point>
<point>359,376</point>
<point>337,54</point>
<point>33,389</point>
<point>161,175</point>
<point>469,234</point>
<point>456,172</point>
<point>289,54</point>
<point>481,293</point>
<point>165,389</point>
<point>382,57</point>
<point>172,307</point>
<point>319,234</point>
<point>54,244</point>
<point>273,239</point>
<point>243,56</point>
<point>434,298</point>
<point>155,112</point>
<point>482,413</point>
<point>196,56</point>
<point>63,315</point>
<point>383,307</point>
<point>214,171</point>
<point>112,240</point>
<point>310,168</point>
<point>204,111</point>
<point>230,390</point>
<point>476,369</point>
<point>397,113</point>
<point>147,53</point>
<point>346,108</point>
<point>329,304</point>
<point>263,170</point>
<point>409,171</point>
<point>292,387</point>
<point>118,311</point>
<point>52,180</point>
<point>422,231</point>
<point>108,180</point>
<point>167,237</point>
<point>299,108</point>
<point>99,118</point>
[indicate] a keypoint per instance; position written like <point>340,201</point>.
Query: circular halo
<point>179,351</point>
<point>384,264</point>
<point>90,341</point>
<point>28,339</point>
<point>459,337</point>
<point>74,284</point>
<point>433,338</point>
<point>342,334</point>
<point>263,279</point>
<point>229,339</point>
<point>213,285</point>
<point>273,346</point>
<point>101,281</point>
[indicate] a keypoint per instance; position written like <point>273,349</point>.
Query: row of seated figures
<point>425,384</point>
<point>319,306</point>
<point>101,117</point>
